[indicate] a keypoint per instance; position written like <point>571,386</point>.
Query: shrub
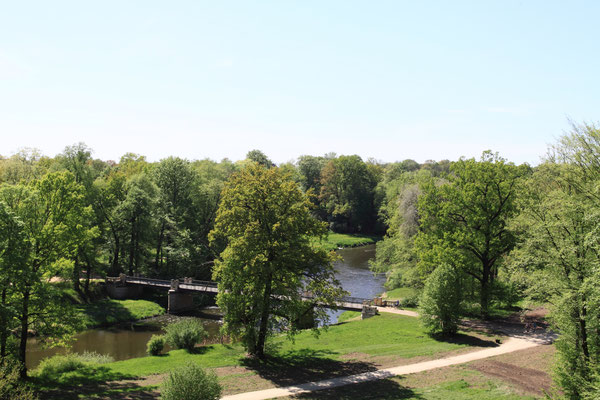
<point>91,357</point>
<point>410,301</point>
<point>440,305</point>
<point>155,345</point>
<point>11,387</point>
<point>185,334</point>
<point>191,383</point>
<point>53,367</point>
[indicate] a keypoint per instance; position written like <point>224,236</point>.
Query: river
<point>129,340</point>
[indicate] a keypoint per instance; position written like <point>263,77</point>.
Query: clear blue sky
<point>384,79</point>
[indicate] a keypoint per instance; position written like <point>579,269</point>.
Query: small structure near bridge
<point>368,311</point>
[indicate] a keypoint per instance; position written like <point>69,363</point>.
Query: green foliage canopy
<point>464,221</point>
<point>269,259</point>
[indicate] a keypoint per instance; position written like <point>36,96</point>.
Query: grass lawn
<point>346,315</point>
<point>393,389</point>
<point>337,240</point>
<point>344,349</point>
<point>399,293</point>
<point>385,334</point>
<point>108,312</point>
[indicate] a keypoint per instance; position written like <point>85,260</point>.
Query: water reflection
<point>123,341</point>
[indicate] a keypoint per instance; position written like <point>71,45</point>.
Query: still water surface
<point>129,340</point>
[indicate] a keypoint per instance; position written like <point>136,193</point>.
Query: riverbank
<point>107,312</point>
<point>98,310</point>
<point>337,241</point>
<point>343,349</point>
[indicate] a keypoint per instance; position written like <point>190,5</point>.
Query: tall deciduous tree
<point>78,160</point>
<point>347,192</point>
<point>560,222</point>
<point>13,250</point>
<point>269,259</point>
<point>259,157</point>
<point>464,222</point>
<point>135,216</point>
<point>52,212</point>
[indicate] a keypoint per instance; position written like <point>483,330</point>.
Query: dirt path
<point>512,344</point>
<point>518,341</point>
<point>398,311</point>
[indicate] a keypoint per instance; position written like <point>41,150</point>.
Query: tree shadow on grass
<point>375,390</point>
<point>106,313</point>
<point>200,349</point>
<point>304,365</point>
<point>70,385</point>
<point>461,338</point>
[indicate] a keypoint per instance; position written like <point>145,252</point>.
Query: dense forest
<point>501,233</point>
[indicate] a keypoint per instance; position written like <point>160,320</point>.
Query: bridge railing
<point>178,283</point>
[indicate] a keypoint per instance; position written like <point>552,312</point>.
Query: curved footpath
<point>514,343</point>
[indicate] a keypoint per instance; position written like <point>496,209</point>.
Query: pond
<point>129,340</point>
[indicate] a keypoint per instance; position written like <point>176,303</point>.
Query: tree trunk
<point>584,335</point>
<point>24,331</point>
<point>76,274</point>
<point>132,247</point>
<point>117,249</point>
<point>159,248</point>
<point>4,326</point>
<point>264,320</point>
<point>88,276</point>
<point>485,289</point>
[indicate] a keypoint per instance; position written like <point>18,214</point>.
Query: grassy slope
<point>399,293</point>
<point>382,335</point>
<point>102,311</point>
<point>108,312</point>
<point>337,240</point>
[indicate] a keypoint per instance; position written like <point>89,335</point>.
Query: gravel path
<point>514,343</point>
<point>391,310</point>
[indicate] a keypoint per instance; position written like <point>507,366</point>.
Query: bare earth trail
<point>517,341</point>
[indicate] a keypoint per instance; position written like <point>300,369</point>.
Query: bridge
<point>181,291</point>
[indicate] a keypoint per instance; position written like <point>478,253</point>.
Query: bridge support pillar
<point>179,301</point>
<point>368,312</point>
<point>120,291</point>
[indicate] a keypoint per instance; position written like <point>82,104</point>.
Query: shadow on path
<point>304,365</point>
<point>381,389</point>
<point>460,338</point>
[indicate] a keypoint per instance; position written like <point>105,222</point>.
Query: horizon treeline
<point>153,218</point>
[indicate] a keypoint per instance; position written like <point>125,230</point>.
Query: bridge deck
<point>345,303</point>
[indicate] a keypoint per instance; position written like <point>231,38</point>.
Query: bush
<point>91,357</point>
<point>11,387</point>
<point>185,334</point>
<point>53,367</point>
<point>440,305</point>
<point>155,345</point>
<point>410,301</point>
<point>191,383</point>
